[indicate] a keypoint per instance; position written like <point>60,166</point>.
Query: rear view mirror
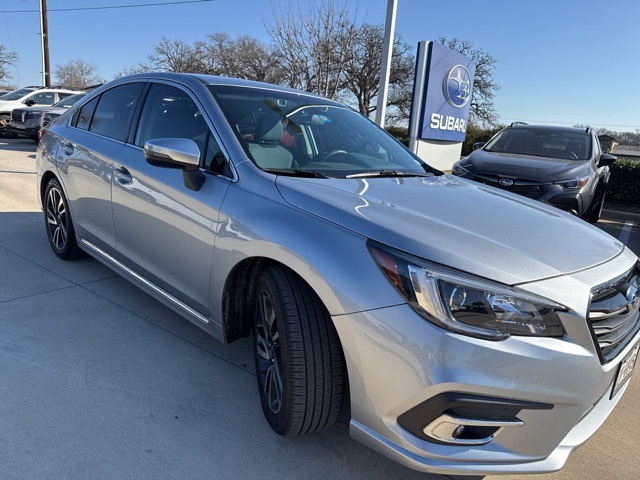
<point>179,153</point>
<point>607,159</point>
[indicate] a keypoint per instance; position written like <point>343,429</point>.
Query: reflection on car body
<point>256,210</point>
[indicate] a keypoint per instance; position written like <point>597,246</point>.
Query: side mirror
<point>30,103</point>
<point>178,153</point>
<point>478,145</point>
<point>607,159</point>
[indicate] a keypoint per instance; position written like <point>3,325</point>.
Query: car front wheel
<point>57,218</point>
<point>595,212</point>
<point>298,356</point>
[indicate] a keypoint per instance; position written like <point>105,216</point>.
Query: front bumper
<point>29,128</point>
<point>574,201</point>
<point>397,361</point>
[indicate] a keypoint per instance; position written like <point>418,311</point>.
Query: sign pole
<point>385,68</point>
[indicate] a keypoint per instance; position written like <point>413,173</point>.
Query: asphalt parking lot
<point>100,381</point>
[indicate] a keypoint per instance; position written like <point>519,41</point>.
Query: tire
<point>595,212</point>
<point>299,360</point>
<point>58,223</point>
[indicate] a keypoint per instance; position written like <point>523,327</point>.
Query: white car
<point>28,96</point>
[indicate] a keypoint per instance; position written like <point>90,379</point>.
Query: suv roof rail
<point>92,87</point>
<point>515,124</point>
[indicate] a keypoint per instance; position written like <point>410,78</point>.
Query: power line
<point>10,43</point>
<point>109,7</point>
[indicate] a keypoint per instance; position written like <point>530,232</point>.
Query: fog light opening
<point>451,429</point>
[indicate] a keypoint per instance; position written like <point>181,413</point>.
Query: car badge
<point>632,295</point>
<point>457,86</point>
<point>505,182</point>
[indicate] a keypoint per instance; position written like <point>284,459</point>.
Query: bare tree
<point>243,57</point>
<point>484,86</point>
<point>76,75</point>
<point>173,56</point>
<point>313,44</point>
<point>362,73</point>
<point>7,59</point>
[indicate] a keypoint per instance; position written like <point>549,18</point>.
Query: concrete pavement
<point>99,381</point>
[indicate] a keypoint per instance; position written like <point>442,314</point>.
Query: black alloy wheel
<point>299,360</point>
<point>60,231</point>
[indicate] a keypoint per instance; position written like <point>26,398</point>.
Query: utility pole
<point>44,37</point>
<point>385,68</point>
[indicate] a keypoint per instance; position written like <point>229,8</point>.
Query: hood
<point>523,167</point>
<point>36,108</point>
<point>459,223</point>
<point>8,105</point>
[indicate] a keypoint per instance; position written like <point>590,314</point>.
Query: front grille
<point>526,189</point>
<point>613,314</point>
<point>16,115</point>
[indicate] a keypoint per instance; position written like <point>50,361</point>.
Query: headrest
<point>269,129</point>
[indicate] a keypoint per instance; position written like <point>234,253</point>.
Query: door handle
<point>122,175</point>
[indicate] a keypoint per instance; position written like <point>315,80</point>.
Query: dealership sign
<point>444,85</point>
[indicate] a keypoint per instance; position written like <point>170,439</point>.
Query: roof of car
<point>215,80</point>
<point>553,128</point>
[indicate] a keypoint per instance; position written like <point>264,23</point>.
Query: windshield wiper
<point>389,173</point>
<point>296,172</point>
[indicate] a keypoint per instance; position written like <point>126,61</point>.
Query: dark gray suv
<point>561,166</point>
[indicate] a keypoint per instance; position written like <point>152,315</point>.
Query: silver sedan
<point>470,330</point>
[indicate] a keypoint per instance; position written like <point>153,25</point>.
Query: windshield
<point>17,94</point>
<point>70,100</point>
<point>297,134</point>
<point>538,142</point>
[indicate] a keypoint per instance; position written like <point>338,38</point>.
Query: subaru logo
<point>505,182</point>
<point>631,294</point>
<point>457,86</point>
<point>633,297</point>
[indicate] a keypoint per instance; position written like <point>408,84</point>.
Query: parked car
<point>28,96</point>
<point>564,167</point>
<point>471,330</point>
<point>29,120</point>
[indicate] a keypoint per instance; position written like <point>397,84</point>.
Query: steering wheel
<point>573,155</point>
<point>332,153</point>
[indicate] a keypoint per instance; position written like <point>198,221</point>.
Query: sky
<point>558,61</point>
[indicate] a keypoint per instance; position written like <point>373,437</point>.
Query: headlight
<point>574,184</point>
<point>458,169</point>
<point>466,304</point>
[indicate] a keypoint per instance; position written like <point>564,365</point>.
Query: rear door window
<point>115,109</point>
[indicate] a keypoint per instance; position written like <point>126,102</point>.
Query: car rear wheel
<point>59,225</point>
<point>298,356</point>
